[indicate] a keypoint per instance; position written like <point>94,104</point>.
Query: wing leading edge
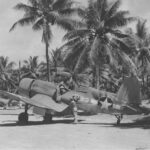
<point>39,100</point>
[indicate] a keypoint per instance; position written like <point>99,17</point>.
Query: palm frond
<point>141,30</point>
<point>62,4</point>
<point>24,7</point>
<point>101,7</point>
<point>23,21</point>
<point>68,24</point>
<point>127,62</point>
<point>121,44</point>
<point>82,62</point>
<point>96,48</point>
<point>119,19</point>
<point>38,25</point>
<point>118,33</point>
<point>80,33</point>
<point>73,53</point>
<point>69,11</point>
<point>111,54</point>
<point>4,61</point>
<point>34,3</point>
<point>113,9</point>
<point>92,17</point>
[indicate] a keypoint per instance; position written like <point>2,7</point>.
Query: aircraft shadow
<point>13,114</point>
<point>143,124</point>
<point>33,123</point>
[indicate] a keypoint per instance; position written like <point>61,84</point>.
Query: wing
<point>49,103</point>
<point>39,100</point>
<point>4,101</point>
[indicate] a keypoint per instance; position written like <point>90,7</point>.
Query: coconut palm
<point>6,70</point>
<point>141,42</point>
<point>142,34</point>
<point>43,14</point>
<point>100,39</point>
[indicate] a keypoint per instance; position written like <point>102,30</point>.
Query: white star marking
<point>105,104</point>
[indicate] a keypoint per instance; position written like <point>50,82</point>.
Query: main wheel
<point>47,118</point>
<point>23,118</point>
<point>118,121</point>
<point>119,118</point>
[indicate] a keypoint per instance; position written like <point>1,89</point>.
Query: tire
<point>23,118</point>
<point>47,118</point>
<point>118,121</point>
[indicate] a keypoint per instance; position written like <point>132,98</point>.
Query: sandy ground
<point>92,133</point>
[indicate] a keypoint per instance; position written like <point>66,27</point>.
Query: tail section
<point>129,92</point>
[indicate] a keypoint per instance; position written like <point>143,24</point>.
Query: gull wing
<point>49,103</point>
<point>39,100</point>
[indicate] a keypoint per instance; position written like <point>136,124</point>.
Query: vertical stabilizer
<point>129,92</point>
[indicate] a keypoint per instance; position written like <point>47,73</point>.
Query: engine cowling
<point>30,87</point>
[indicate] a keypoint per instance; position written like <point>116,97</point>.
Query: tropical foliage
<point>31,68</point>
<point>99,48</point>
<point>100,41</point>
<point>6,73</point>
<point>43,14</point>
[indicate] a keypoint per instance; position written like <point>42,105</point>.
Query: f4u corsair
<point>43,97</point>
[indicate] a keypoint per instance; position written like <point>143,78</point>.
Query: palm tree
<point>31,68</point>
<point>56,59</point>
<point>6,70</point>
<point>43,14</point>
<point>100,39</point>
<point>141,43</point>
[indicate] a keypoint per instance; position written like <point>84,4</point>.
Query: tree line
<point>99,51</point>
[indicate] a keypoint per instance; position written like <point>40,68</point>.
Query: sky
<point>24,42</point>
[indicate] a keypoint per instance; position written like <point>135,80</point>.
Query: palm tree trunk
<point>94,78</point>
<point>19,71</point>
<point>143,72</point>
<point>97,76</point>
<point>48,64</point>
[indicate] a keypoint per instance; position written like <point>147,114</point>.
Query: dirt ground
<point>92,133</point>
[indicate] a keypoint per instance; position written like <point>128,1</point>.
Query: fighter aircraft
<point>43,97</point>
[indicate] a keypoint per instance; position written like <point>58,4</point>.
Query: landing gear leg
<point>47,118</point>
<point>119,118</point>
<point>23,117</point>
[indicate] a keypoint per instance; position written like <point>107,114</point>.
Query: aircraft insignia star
<point>105,104</point>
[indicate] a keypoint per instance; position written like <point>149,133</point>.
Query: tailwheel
<point>119,118</point>
<point>23,118</point>
<point>47,118</point>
